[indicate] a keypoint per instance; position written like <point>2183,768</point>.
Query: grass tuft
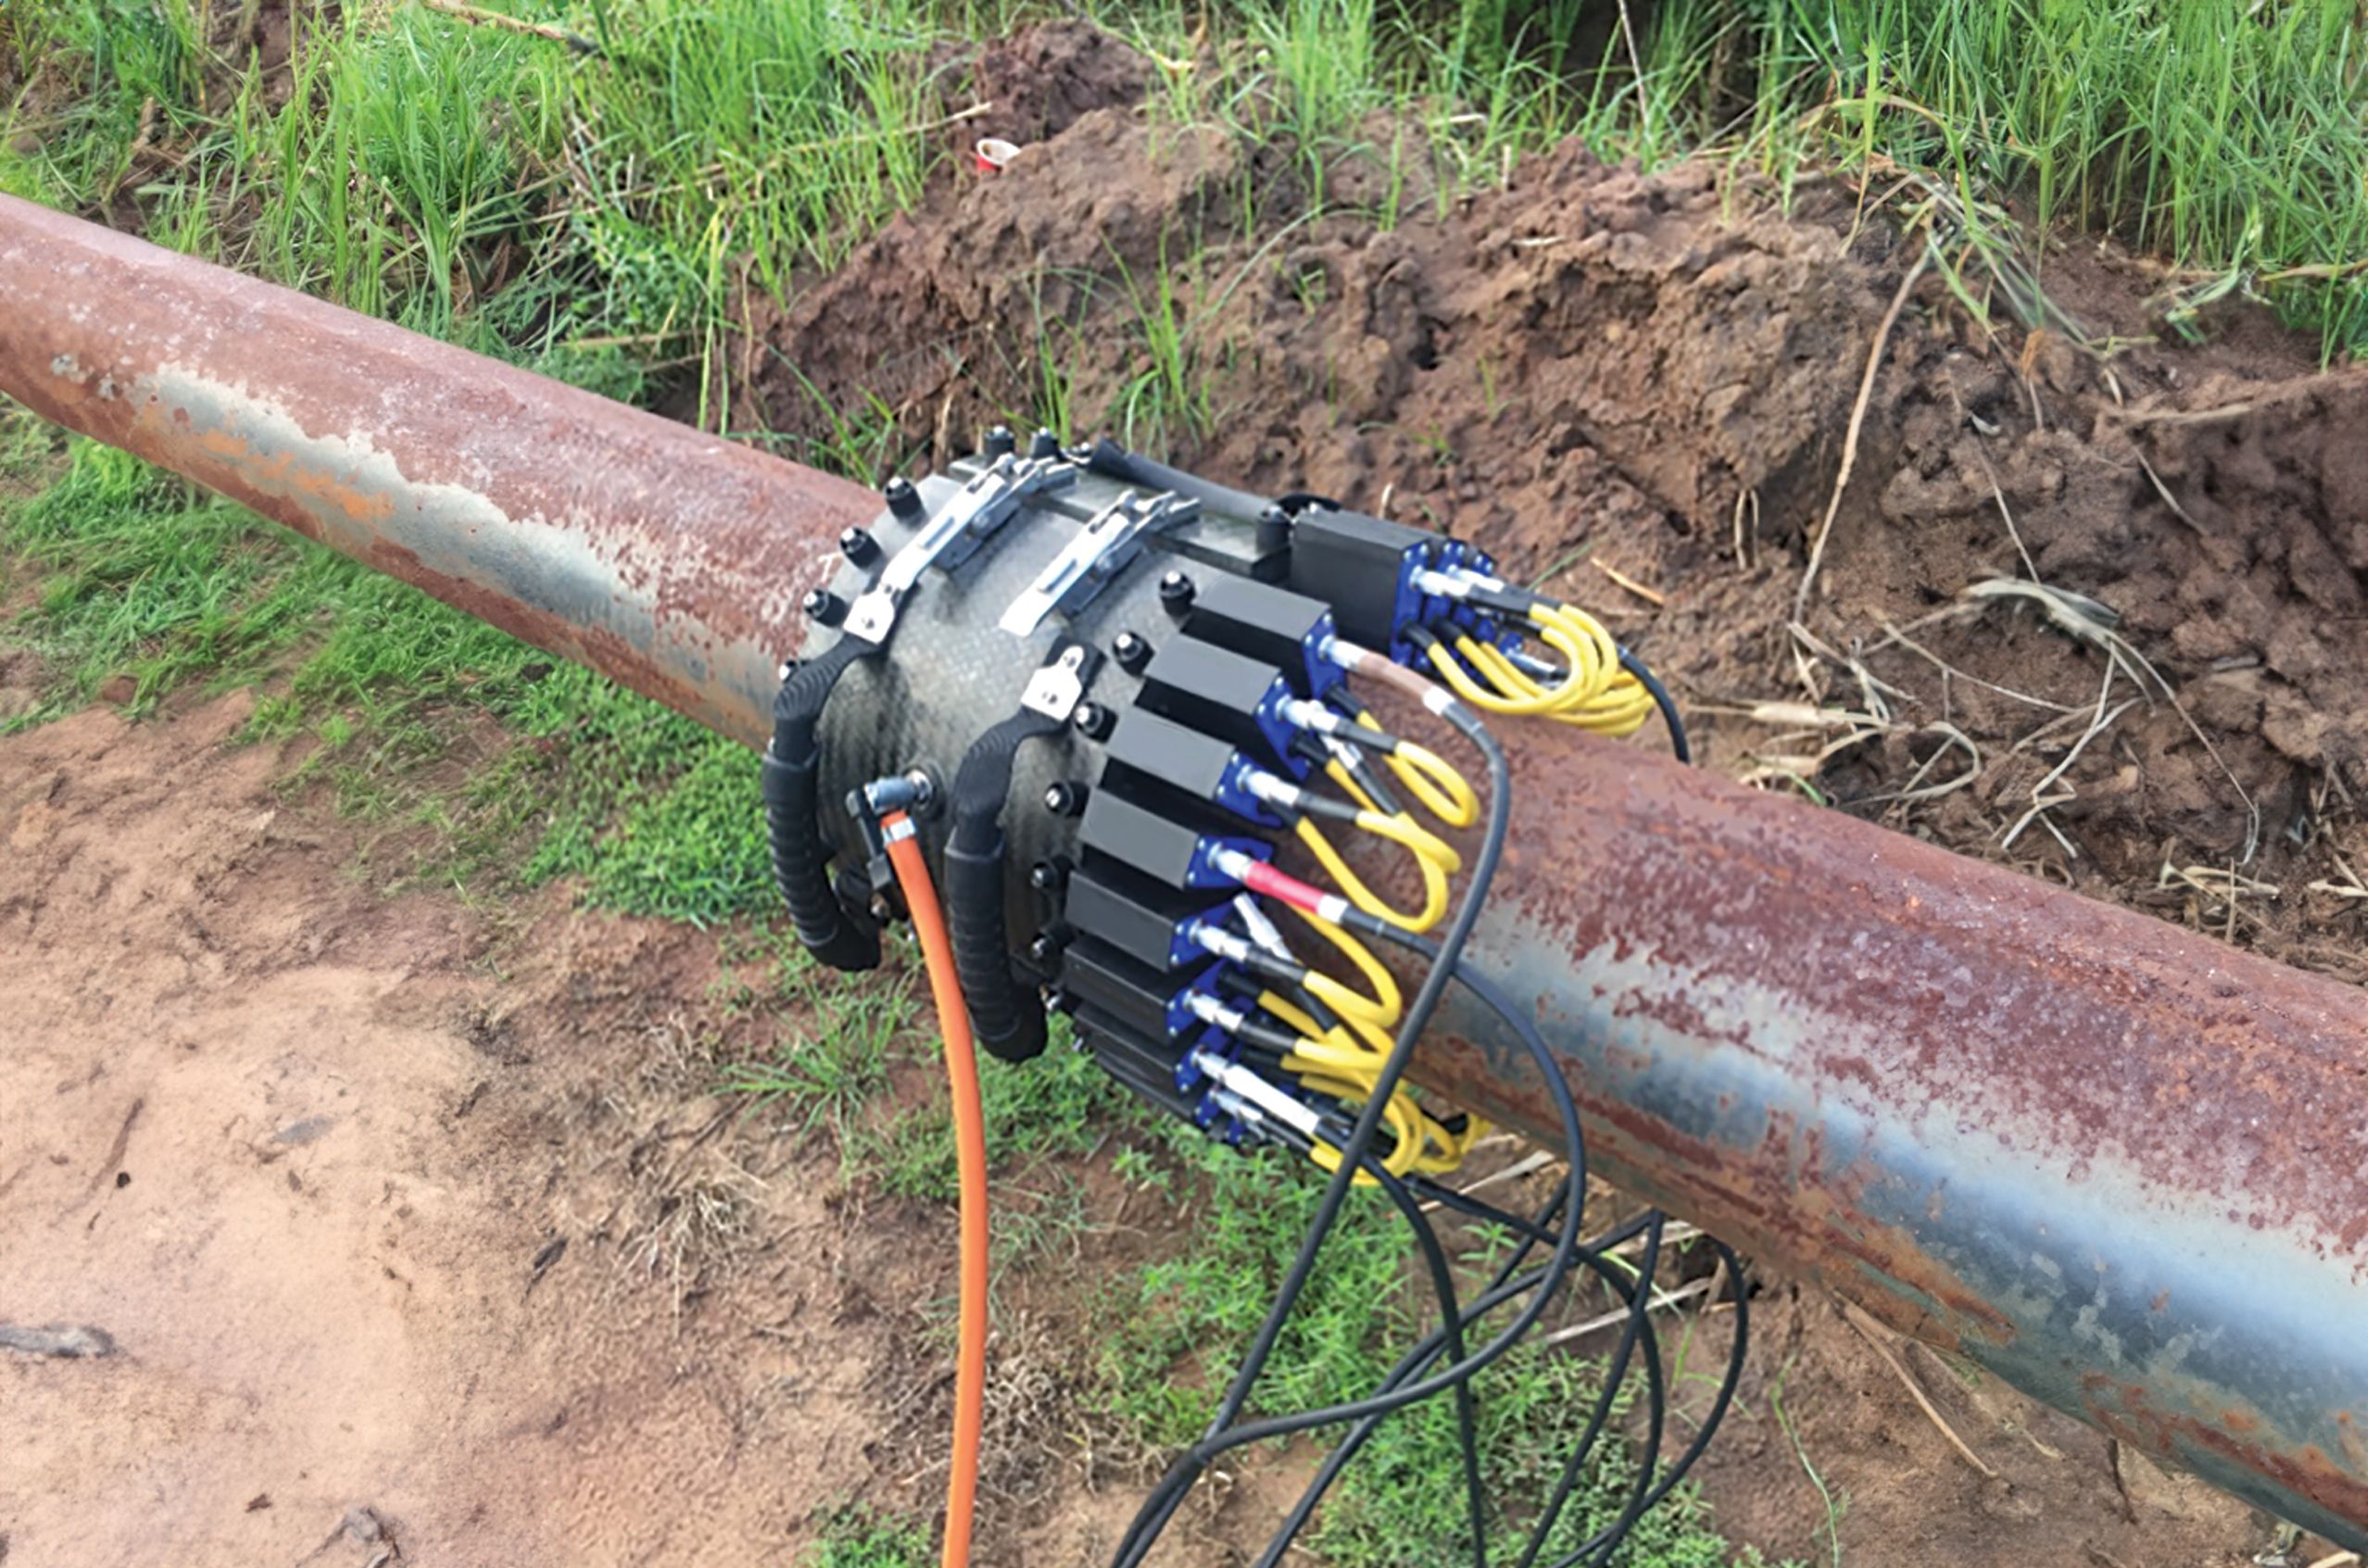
<point>855,1537</point>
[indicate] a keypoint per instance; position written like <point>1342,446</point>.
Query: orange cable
<point>970,1157</point>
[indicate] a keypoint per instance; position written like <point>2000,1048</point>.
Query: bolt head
<point>826,607</point>
<point>1047,876</point>
<point>1175,593</point>
<point>857,546</point>
<point>1094,721</point>
<point>1131,652</point>
<point>1001,442</point>
<point>903,500</point>
<point>1065,799</point>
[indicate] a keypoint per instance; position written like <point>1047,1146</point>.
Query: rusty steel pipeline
<point>2122,1166</point>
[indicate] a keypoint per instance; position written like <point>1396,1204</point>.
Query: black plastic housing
<point>1149,755</point>
<point>1364,567</point>
<point>1174,845</point>
<point>1137,996</point>
<point>1222,694</point>
<point>1270,624</point>
<point>1129,912</point>
<point>1144,1063</point>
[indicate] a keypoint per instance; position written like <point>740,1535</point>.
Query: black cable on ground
<point>1646,1493</point>
<point>1413,1363</point>
<point>1541,1285</point>
<point>1695,1449</point>
<point>1591,1255</point>
<point>1442,1285</point>
<point>1473,1208</point>
<point>1637,1326</point>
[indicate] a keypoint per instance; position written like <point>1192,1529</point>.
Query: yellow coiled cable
<point>1434,872</point>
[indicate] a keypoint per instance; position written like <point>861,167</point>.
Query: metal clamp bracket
<point>1101,550</point>
<point>954,534</point>
<point>1058,686</point>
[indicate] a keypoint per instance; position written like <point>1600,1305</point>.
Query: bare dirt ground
<point>308,1158</point>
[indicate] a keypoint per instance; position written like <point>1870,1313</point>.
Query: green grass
<point>492,188</point>
<point>2228,142</point>
<point>855,1537</point>
<point>1170,1332</point>
<point>1834,1502</point>
<point>1056,1106</point>
<point>1404,1505</point>
<point>505,190</point>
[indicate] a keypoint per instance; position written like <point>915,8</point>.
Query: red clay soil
<point>310,1165</point>
<point>409,1221</point>
<point>1659,374</point>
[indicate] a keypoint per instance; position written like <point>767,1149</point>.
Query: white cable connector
<point>1482,579</point>
<point>1236,1079</point>
<point>1340,652</point>
<point>1314,718</point>
<point>1221,943</point>
<point>1347,752</point>
<point>1264,932</point>
<point>1232,864</point>
<point>1441,585</point>
<point>1274,790</point>
<point>1210,1009</point>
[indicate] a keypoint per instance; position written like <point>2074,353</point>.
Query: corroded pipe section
<point>669,559</point>
<point>2120,1165</point>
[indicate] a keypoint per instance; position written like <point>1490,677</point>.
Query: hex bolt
<point>857,546</point>
<point>1001,442</point>
<point>824,608</point>
<point>1176,593</point>
<point>902,499</point>
<point>1065,799</point>
<point>1044,444</point>
<point>1094,721</point>
<point>1047,943</point>
<point>1131,652</point>
<point>1048,876</point>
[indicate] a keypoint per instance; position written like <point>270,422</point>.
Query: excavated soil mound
<point>1639,389</point>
